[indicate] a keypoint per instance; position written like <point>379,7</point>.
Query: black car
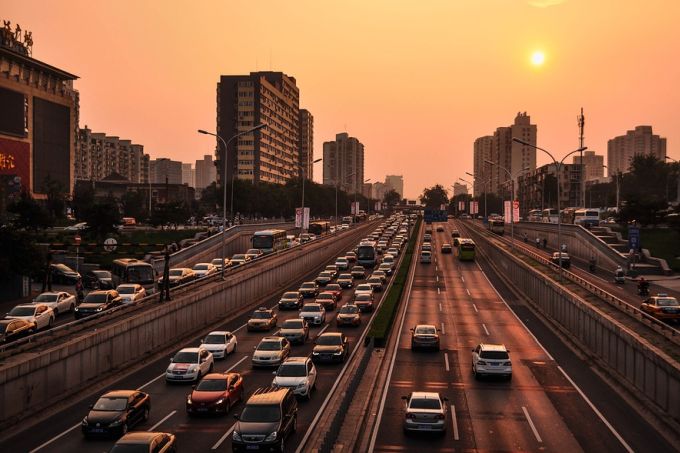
<point>309,289</point>
<point>291,299</point>
<point>11,329</point>
<point>268,418</point>
<point>61,273</point>
<point>179,276</point>
<point>98,279</point>
<point>566,260</point>
<point>330,347</point>
<point>98,301</point>
<point>324,278</point>
<point>115,412</point>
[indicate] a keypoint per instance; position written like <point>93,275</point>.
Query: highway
<point>553,402</point>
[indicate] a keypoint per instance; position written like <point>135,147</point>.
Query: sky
<point>416,81</point>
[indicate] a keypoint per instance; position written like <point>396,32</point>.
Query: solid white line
<point>151,381</point>
<point>454,421</point>
<point>485,329</point>
<point>468,291</point>
<point>236,364</point>
<point>597,412</point>
<point>322,330</point>
<point>475,307</point>
<point>531,423</point>
<point>58,436</point>
<point>438,292</point>
<point>436,268</point>
<point>440,306</point>
<point>164,419</point>
<point>446,361</point>
<point>462,278</point>
<point>443,330</point>
<point>437,277</point>
<point>223,438</point>
<point>239,328</point>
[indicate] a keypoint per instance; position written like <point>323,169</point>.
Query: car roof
<point>272,338</point>
<point>331,334</point>
<point>119,393</point>
<point>136,437</point>
<point>493,347</point>
<point>311,304</point>
<point>425,395</point>
<point>269,395</point>
<point>296,360</point>
<point>219,332</point>
<point>425,325</point>
<point>190,349</point>
<point>218,375</point>
<point>124,285</point>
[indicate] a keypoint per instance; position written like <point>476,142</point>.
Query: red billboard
<point>15,163</point>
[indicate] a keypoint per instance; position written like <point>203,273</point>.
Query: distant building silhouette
<point>342,158</point>
<point>622,149</point>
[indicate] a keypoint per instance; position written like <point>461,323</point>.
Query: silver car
<point>425,411</point>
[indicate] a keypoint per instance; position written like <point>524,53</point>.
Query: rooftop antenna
<point>581,125</point>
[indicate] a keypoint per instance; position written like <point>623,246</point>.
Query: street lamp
<point>368,199</point>
<point>302,217</point>
<point>558,168</point>
<point>483,185</point>
<point>224,185</point>
<point>512,195</point>
<point>467,183</point>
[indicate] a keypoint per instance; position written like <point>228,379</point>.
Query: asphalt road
<point>541,409</point>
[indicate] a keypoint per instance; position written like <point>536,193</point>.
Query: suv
<point>491,359</point>
<point>297,374</point>
<point>262,319</point>
<point>98,301</point>
<point>309,289</point>
<point>268,418</point>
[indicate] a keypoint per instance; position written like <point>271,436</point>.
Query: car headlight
<point>337,353</point>
<point>315,353</point>
<point>220,401</point>
<point>77,309</point>
<point>236,436</point>
<point>271,437</point>
<point>100,308</point>
<point>189,399</point>
<point>116,423</point>
<point>192,368</point>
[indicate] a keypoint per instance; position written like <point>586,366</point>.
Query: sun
<point>537,58</point>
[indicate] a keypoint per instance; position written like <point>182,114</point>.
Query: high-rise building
<point>396,183</point>
<point>622,149</point>
<point>206,173</point>
<point>367,190</point>
<point>593,163</point>
<point>271,154</point>
<point>164,170</point>
<point>537,188</point>
<point>481,169</point>
<point>378,191</point>
<point>343,163</point>
<point>306,146</point>
<point>99,155</point>
<point>188,175</point>
<point>459,189</point>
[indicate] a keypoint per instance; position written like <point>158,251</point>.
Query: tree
<point>30,214</point>
<point>21,255</point>
<point>56,198</point>
<point>644,190</point>
<point>434,197</point>
<point>391,198</point>
<point>134,204</point>
<point>173,212</point>
<point>103,217</point>
<point>83,199</point>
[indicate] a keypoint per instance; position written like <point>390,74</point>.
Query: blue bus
<point>435,215</point>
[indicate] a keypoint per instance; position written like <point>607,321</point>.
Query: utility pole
<point>581,125</point>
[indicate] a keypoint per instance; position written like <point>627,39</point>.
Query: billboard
<point>14,164</point>
<point>14,113</point>
<point>51,143</point>
<point>302,218</point>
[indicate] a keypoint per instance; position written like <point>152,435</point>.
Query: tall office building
<point>343,163</point>
<point>188,175</point>
<point>481,169</point>
<point>206,172</point>
<point>271,154</point>
<point>459,189</point>
<point>378,191</point>
<point>593,163</point>
<point>396,183</point>
<point>306,143</point>
<point>164,170</point>
<point>622,149</point>
<point>98,155</point>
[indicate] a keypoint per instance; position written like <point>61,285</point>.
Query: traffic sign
<point>110,244</point>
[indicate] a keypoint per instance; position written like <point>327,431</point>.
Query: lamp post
<point>483,185</point>
<point>368,199</point>
<point>467,183</point>
<point>512,195</point>
<point>224,185</point>
<point>558,168</point>
<point>302,220</point>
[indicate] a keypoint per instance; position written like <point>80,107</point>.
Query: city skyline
<point>173,85</point>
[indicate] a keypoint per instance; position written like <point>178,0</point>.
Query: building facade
<point>206,172</point>
<point>188,175</point>
<point>99,155</point>
<point>481,169</point>
<point>396,183</point>
<point>641,140</point>
<point>537,188</point>
<point>343,163</point>
<point>271,154</point>
<point>38,119</point>
<point>378,191</point>
<point>306,144</point>
<point>164,170</point>
<point>459,189</point>
<point>593,164</point>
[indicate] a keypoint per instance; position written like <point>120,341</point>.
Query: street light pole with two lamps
<point>302,175</point>
<point>512,195</point>
<point>487,180</point>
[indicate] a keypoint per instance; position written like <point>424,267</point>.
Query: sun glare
<point>537,58</point>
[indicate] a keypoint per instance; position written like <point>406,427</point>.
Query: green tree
<point>83,199</point>
<point>643,190</point>
<point>102,217</point>
<point>134,205</point>
<point>56,198</point>
<point>21,255</point>
<point>29,213</point>
<point>170,213</point>
<point>391,198</point>
<point>434,197</point>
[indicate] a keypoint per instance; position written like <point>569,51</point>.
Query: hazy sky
<point>416,81</point>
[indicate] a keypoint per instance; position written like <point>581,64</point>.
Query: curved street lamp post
<point>512,195</point>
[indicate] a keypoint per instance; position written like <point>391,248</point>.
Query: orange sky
<point>416,81</point>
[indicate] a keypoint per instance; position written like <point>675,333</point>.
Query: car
<point>328,300</point>
<point>297,374</point>
<point>393,251</point>
<point>313,313</point>
<point>345,280</point>
<point>204,269</point>
<point>271,351</point>
<point>59,301</point>
<point>456,241</point>
<point>220,343</point>
<point>491,359</point>
<point>240,259</point>
<point>342,263</point>
<point>40,315</point>
<point>334,288</point>
<point>61,273</point>
<point>440,229</point>
<point>330,347</point>
<point>348,315</point>
<point>76,227</point>
<point>427,238</point>
<point>425,411</point>
<point>12,329</point>
<point>98,301</point>
<point>351,256</point>
<point>115,412</point>
<point>446,248</point>
<point>216,393</point>
<point>364,288</point>
<point>333,269</point>
<point>376,282</point>
<point>190,364</point>
<point>364,301</point>
<point>131,292</point>
<point>179,276</point>
<point>358,272</point>
<point>324,278</point>
<point>309,289</point>
<point>425,256</point>
<point>424,336</point>
<point>98,279</point>
<point>455,234</point>
<point>262,319</point>
<point>143,441</point>
<point>662,306</point>
<point>386,268</point>
<point>254,253</point>
<point>427,247</point>
<point>218,263</point>
<point>291,299</point>
<point>566,261</point>
<point>268,418</point>
<point>295,330</point>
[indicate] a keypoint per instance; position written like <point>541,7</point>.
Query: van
<point>268,418</point>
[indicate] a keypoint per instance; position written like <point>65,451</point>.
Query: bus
<point>549,215</point>
<point>466,249</point>
<point>497,226</point>
<point>366,254</point>
<point>587,217</point>
<point>319,227</point>
<point>534,215</point>
<point>131,270</point>
<point>270,240</point>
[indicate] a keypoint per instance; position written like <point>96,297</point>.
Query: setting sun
<point>537,58</point>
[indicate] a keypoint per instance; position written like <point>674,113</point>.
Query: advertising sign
<point>355,208</point>
<point>302,218</point>
<point>474,207</point>
<point>506,211</point>
<point>14,164</point>
<point>305,219</point>
<point>298,217</point>
<point>461,206</point>
<point>515,211</point>
<point>378,206</point>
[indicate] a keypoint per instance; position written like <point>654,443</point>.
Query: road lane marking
<point>223,438</point>
<point>475,307</point>
<point>436,269</point>
<point>160,422</point>
<point>151,381</point>
<point>446,360</point>
<point>440,306</point>
<point>485,329</point>
<point>438,292</point>
<point>443,330</point>
<point>322,330</point>
<point>58,436</point>
<point>437,277</point>
<point>236,364</point>
<point>468,292</point>
<point>239,328</point>
<point>462,278</point>
<point>454,421</point>
<point>531,423</point>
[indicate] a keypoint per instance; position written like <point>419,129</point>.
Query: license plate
<point>202,409</point>
<point>424,427</point>
<point>97,430</point>
<point>252,447</point>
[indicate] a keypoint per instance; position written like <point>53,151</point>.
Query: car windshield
<point>22,311</point>
<point>374,280</point>
<point>126,290</point>
<point>110,404</point>
<point>95,298</point>
<point>494,355</point>
<point>349,309</point>
<point>667,302</point>
<point>186,357</point>
<point>341,260</point>
<point>325,274</point>
<point>102,274</point>
<point>364,287</point>
<point>362,297</point>
<point>293,324</point>
<point>325,296</point>
<point>311,308</point>
<point>345,277</point>
<point>240,256</point>
<point>357,269</point>
<point>262,315</point>
<point>292,370</point>
<point>140,274</point>
<point>176,272</point>
<point>63,268</point>
<point>425,403</point>
<point>307,285</point>
<point>214,339</point>
<point>290,295</point>
<point>333,287</point>
<point>201,267</point>
<point>259,413</point>
<point>326,340</point>
<point>425,330</point>
<point>212,385</point>
<point>269,346</point>
<point>47,298</point>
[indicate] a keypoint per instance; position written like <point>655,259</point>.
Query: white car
<point>271,351</point>
<point>425,411</point>
<point>364,288</point>
<point>491,359</point>
<point>425,256</point>
<point>131,292</point>
<point>386,268</point>
<point>313,313</point>
<point>218,263</point>
<point>190,364</point>
<point>203,269</point>
<point>342,263</point>
<point>297,374</point>
<point>39,314</point>
<point>393,251</point>
<point>59,301</point>
<point>220,343</point>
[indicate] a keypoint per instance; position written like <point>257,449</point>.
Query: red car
<point>335,289</point>
<point>216,393</point>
